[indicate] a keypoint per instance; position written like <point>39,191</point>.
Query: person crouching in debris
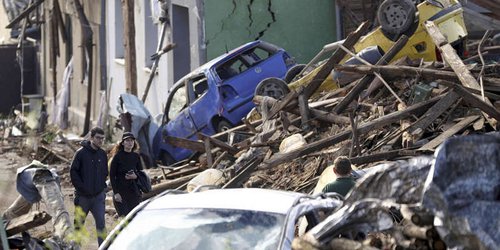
<point>125,163</point>
<point>344,181</point>
<point>36,182</point>
<point>88,172</point>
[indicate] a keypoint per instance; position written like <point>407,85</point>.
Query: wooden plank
<point>433,113</point>
<point>400,71</point>
<point>26,222</point>
<point>218,143</point>
<point>185,143</point>
<point>223,135</point>
<point>345,135</point>
<point>367,79</point>
<point>476,101</point>
<point>389,155</point>
<point>451,57</point>
<point>336,57</point>
<point>249,125</point>
<point>243,175</point>
<point>157,189</point>
<point>317,114</point>
<point>208,152</point>
<point>304,112</point>
<point>448,133</point>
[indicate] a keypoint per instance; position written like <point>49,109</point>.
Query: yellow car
<point>396,17</point>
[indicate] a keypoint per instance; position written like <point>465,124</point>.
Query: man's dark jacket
<point>89,170</point>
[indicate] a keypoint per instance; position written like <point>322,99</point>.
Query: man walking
<point>88,174</point>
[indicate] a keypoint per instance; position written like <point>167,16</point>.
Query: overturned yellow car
<point>396,18</point>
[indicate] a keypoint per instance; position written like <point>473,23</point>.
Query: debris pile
<point>420,204</point>
<point>400,110</point>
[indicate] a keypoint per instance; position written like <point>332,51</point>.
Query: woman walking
<point>124,165</point>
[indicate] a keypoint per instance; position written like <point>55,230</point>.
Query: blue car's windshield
<point>201,229</point>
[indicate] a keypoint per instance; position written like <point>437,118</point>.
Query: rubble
<point>391,119</point>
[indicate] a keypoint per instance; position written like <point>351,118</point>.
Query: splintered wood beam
<point>416,109</point>
<point>336,57</point>
<point>448,133</point>
<point>389,155</point>
<point>304,111</point>
<point>317,114</point>
<point>218,143</point>
<point>476,101</point>
<point>208,151</point>
<point>243,175</point>
<point>450,56</point>
<point>185,143</point>
<point>433,113</point>
<point>170,184</point>
<point>400,71</point>
<point>367,79</point>
<point>26,222</point>
<point>223,135</point>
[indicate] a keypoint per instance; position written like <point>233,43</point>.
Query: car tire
<point>396,16</point>
<point>273,87</point>
<point>223,125</point>
<point>166,159</point>
<point>293,71</point>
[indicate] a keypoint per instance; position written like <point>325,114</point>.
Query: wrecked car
<point>217,95</point>
<point>396,18</point>
<point>219,219</point>
<point>449,201</point>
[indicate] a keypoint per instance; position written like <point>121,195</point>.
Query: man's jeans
<point>95,205</point>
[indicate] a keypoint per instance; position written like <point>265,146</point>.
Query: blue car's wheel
<point>223,125</point>
<point>273,87</point>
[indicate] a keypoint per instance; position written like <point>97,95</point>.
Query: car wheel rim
<point>396,15</point>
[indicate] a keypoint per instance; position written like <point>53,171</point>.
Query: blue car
<point>217,95</point>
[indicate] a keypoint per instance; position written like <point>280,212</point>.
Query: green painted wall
<point>302,27</point>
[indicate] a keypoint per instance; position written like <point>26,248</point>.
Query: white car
<point>240,218</point>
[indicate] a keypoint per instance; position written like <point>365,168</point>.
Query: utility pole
<point>129,39</point>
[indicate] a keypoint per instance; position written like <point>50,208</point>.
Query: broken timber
<point>336,57</point>
<point>451,131</point>
<point>346,134</point>
<point>400,71</point>
<point>367,79</point>
<point>318,114</point>
<point>451,57</point>
<point>27,221</point>
<point>417,128</point>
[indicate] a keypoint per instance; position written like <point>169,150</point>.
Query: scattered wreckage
<point>382,113</point>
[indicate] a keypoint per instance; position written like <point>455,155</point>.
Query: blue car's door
<point>180,123</point>
<point>204,103</point>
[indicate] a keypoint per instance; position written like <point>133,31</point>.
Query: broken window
<point>178,102</point>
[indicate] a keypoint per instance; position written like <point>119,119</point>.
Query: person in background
<point>88,175</point>
<point>344,181</point>
<point>125,163</point>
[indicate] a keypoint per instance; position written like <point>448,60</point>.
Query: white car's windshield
<point>201,229</point>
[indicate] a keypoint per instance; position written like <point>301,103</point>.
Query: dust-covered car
<point>217,95</point>
<point>240,218</point>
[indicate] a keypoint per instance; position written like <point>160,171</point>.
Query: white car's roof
<point>238,198</point>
